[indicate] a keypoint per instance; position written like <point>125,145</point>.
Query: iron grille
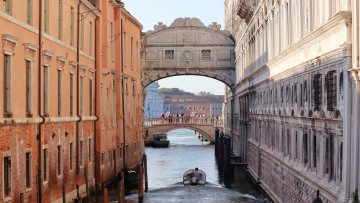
<point>331,90</point>
<point>206,54</point>
<point>317,86</point>
<point>169,54</point>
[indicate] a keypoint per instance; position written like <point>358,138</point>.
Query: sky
<point>150,12</point>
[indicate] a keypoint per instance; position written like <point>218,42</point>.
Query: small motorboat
<point>189,178</point>
<point>159,140</point>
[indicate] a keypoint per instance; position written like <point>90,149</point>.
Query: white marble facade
<point>154,101</point>
<point>187,47</point>
<point>294,114</point>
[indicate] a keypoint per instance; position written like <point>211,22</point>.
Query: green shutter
<point>72,27</point>
<point>29,10</point>
<point>82,33</point>
<point>46,16</point>
<point>8,7</point>
<point>90,41</point>
<point>60,19</point>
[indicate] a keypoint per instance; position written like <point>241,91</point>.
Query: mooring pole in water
<point>105,196</point>
<point>64,193</point>
<point>141,182</point>
<point>87,186</point>
<point>145,172</point>
<point>216,141</point>
<point>122,187</point>
<point>220,150</point>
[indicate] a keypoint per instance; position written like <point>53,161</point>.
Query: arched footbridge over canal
<point>204,125</point>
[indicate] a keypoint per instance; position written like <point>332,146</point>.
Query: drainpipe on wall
<point>95,102</point>
<point>77,89</point>
<point>123,92</point>
<point>39,104</point>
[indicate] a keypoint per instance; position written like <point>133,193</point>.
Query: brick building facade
<point>62,82</point>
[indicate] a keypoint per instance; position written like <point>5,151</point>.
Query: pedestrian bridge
<point>206,125</point>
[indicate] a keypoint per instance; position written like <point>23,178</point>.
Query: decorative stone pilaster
<point>73,67</point>
<point>9,44</point>
<point>92,73</point>
<point>30,51</point>
<point>83,69</point>
<point>354,130</point>
<point>47,57</point>
<point>61,61</point>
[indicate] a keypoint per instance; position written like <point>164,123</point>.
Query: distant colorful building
<point>210,105</point>
<point>154,101</point>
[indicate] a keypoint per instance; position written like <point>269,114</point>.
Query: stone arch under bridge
<point>205,126</point>
<point>187,47</point>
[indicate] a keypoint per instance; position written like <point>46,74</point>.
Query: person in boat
<point>196,176</point>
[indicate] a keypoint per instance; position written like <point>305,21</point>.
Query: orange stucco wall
<point>18,132</point>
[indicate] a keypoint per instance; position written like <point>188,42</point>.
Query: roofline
<point>131,18</point>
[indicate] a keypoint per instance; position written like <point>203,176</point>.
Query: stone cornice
<point>73,66</point>
<point>91,8</point>
<point>30,51</point>
<point>9,43</point>
<point>114,72</point>
<point>131,18</point>
<point>61,60</point>
<point>116,3</point>
<point>47,57</point>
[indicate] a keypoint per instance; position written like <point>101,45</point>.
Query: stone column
<point>354,127</point>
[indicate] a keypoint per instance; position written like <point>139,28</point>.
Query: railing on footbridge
<point>216,122</point>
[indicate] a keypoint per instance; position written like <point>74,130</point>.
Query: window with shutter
<point>81,96</point>
<point>28,170</point>
<point>46,16</point>
<point>46,91</point>
<point>60,20</point>
<point>7,176</point>
<point>28,89</point>
<point>71,94</point>
<point>72,26</point>
<point>8,7</point>
<point>7,86</point>
<point>331,90</point>
<point>29,12</point>
<point>317,86</point>
<point>59,92</point>
<point>82,33</point>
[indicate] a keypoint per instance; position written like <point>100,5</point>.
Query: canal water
<point>166,167</point>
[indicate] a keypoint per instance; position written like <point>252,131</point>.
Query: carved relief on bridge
<point>187,47</point>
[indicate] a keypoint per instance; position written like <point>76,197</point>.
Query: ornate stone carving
<point>9,44</point>
<point>47,57</point>
<point>159,26</point>
<point>187,47</point>
<point>214,26</point>
<point>73,66</point>
<point>30,51</point>
<point>187,22</point>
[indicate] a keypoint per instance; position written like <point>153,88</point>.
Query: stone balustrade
<point>216,122</point>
